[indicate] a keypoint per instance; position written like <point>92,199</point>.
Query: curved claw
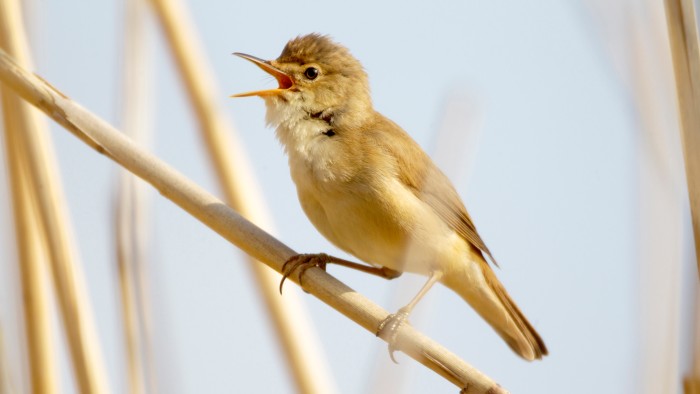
<point>391,353</point>
<point>285,271</point>
<point>392,324</point>
<point>305,261</point>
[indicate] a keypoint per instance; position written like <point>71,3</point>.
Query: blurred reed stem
<point>5,385</point>
<point>683,35</point>
<point>685,51</point>
<point>691,383</point>
<point>232,168</point>
<point>34,148</point>
<point>131,211</point>
<point>105,139</point>
<point>31,250</point>
<point>453,146</point>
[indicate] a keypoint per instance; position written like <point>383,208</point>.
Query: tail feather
<point>480,287</point>
<point>534,347</point>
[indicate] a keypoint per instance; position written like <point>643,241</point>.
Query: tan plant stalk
<point>130,216</point>
<point>44,187</point>
<point>683,35</point>
<point>685,51</point>
<point>5,386</point>
<point>229,224</point>
<point>31,252</point>
<point>691,383</point>
<point>127,295</point>
<point>289,316</point>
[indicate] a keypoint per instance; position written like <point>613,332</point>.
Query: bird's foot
<point>303,262</point>
<point>389,329</point>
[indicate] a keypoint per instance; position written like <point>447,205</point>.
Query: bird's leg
<point>388,328</point>
<point>320,260</point>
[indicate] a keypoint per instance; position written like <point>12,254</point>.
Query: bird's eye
<point>311,73</point>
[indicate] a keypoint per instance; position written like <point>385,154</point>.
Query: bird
<point>371,190</point>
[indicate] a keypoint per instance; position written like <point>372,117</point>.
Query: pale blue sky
<point>551,187</point>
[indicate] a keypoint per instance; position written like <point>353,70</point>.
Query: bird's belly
<point>358,229</point>
<point>395,232</point>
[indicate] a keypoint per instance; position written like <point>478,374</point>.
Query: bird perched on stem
<point>373,192</point>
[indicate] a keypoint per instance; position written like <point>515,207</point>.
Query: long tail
<point>477,284</point>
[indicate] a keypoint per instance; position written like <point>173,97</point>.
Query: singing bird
<point>373,192</point>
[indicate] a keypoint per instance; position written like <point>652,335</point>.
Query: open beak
<point>284,80</point>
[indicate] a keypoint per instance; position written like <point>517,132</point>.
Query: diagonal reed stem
<point>229,224</point>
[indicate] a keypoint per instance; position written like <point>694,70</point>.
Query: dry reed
<point>44,187</point>
<point>5,384</point>
<point>685,51</point>
<point>31,252</point>
<point>683,35</point>
<point>130,214</point>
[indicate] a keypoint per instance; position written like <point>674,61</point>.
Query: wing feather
<point>418,172</point>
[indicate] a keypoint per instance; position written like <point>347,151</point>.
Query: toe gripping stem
<point>320,260</point>
<point>392,324</point>
<point>303,262</point>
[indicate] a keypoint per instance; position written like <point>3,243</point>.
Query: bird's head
<point>315,76</point>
